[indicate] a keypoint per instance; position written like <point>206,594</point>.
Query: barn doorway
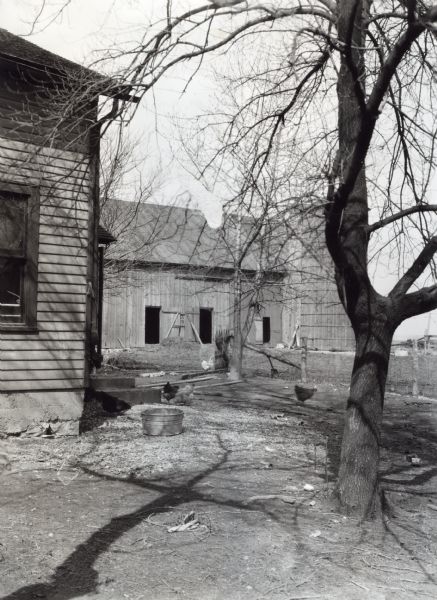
<point>266,330</point>
<point>205,325</point>
<point>152,326</point>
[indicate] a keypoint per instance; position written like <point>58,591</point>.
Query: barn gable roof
<point>160,234</point>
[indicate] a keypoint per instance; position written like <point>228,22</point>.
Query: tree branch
<point>416,269</point>
<point>418,303</point>
<point>419,208</point>
<point>337,203</point>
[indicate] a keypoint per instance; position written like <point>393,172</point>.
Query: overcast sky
<point>89,26</point>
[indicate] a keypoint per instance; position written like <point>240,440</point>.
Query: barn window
<point>19,222</point>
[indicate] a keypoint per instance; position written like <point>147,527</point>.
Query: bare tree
<point>377,56</point>
<point>356,81</point>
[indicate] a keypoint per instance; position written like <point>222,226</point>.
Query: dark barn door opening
<point>152,324</point>
<point>266,330</point>
<point>205,325</point>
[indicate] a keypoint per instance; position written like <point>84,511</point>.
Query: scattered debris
<point>154,374</point>
<point>414,459</point>
<point>5,463</point>
<point>189,524</point>
<point>280,417</point>
<point>291,488</point>
<point>268,449</point>
<point>315,534</point>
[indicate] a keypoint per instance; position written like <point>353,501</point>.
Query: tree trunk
<point>358,474</point>
<point>236,363</point>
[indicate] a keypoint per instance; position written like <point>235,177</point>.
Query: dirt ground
<point>175,356</point>
<point>89,517</point>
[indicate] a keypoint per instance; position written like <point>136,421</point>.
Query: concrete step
<point>102,383</point>
<point>135,395</point>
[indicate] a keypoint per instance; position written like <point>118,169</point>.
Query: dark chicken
<point>169,392</point>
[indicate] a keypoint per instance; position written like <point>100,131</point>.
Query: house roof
<point>160,234</point>
<point>19,50</point>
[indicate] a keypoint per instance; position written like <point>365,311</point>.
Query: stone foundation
<point>31,413</point>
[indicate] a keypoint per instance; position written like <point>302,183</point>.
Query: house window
<point>19,223</point>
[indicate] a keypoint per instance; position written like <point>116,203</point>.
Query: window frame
<point>30,271</point>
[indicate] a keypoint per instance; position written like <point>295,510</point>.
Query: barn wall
<point>124,306</point>
<point>270,305</point>
<point>51,361</point>
<point>175,292</point>
<point>323,320</point>
<point>311,300</point>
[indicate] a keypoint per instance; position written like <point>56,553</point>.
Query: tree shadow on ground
<point>76,576</point>
<point>327,404</point>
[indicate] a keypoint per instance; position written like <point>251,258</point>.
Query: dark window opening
<point>152,324</point>
<point>205,325</point>
<point>266,330</point>
<point>19,225</point>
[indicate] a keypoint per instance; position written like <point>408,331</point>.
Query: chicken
<point>111,404</point>
<point>184,396</point>
<point>168,392</point>
<point>304,392</point>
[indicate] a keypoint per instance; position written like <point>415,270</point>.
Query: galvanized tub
<point>162,421</point>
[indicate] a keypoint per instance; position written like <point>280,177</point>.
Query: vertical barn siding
<point>173,291</point>
<point>124,307</point>
<point>53,358</point>
<point>310,294</point>
<point>323,320</point>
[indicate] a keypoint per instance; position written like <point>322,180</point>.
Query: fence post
<point>303,359</point>
<point>415,369</point>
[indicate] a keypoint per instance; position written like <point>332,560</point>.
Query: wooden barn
<point>49,196</point>
<point>171,275</point>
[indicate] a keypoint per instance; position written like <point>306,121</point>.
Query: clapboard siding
<point>64,296</point>
<point>38,354</point>
<point>53,358</point>
<point>71,259</point>
<point>72,230</point>
<point>54,244</point>
<point>66,306</point>
<point>44,364</point>
<point>62,270</point>
<point>41,384</point>
<point>43,344</point>
<point>57,374</point>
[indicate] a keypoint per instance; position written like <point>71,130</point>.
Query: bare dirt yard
<point>89,517</point>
